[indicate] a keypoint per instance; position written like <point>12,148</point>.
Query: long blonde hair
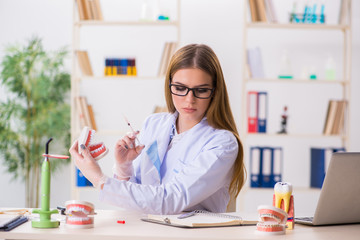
<point>219,113</point>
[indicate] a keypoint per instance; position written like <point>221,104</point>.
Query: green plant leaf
<point>37,87</point>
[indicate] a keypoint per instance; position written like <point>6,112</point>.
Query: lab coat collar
<point>160,146</point>
<point>152,172</point>
<point>175,116</point>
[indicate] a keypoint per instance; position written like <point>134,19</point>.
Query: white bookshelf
<point>126,23</point>
<point>83,85</point>
<point>294,80</point>
<point>249,197</point>
<point>296,26</point>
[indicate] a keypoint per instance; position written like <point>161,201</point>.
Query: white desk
<point>107,228</point>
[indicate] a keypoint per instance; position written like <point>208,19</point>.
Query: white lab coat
<point>194,174</point>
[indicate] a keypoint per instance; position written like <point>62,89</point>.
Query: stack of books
<point>344,12</point>
<point>89,9</point>
<point>86,113</point>
<point>255,64</point>
<point>120,67</point>
<point>335,117</point>
<point>262,11</point>
<point>168,51</point>
<point>84,63</point>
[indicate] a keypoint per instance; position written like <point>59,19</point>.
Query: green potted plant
<point>36,109</point>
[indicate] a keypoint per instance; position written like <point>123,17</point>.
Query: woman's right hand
<point>125,152</point>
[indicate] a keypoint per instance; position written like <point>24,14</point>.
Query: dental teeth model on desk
<point>272,220</point>
<point>79,214</point>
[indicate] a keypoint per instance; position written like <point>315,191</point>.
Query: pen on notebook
<point>186,215</point>
<point>132,130</point>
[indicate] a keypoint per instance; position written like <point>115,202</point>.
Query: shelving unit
<point>249,197</point>
<point>294,80</point>
<point>145,82</point>
<point>297,26</point>
<point>126,23</point>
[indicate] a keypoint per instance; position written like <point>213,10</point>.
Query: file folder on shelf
<point>277,165</point>
<point>255,165</point>
<point>320,159</point>
<point>262,111</point>
<point>257,112</point>
<point>252,112</point>
<point>265,166</point>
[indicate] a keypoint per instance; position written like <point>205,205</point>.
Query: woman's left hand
<point>125,153</point>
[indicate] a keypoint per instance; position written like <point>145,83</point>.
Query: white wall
<point>19,21</point>
<point>217,23</point>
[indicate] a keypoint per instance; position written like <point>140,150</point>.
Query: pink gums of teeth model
<point>272,220</point>
<point>79,214</point>
<point>97,150</point>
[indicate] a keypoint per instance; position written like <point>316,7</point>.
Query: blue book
<point>123,66</point>
<point>117,66</point>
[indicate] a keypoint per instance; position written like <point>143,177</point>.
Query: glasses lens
<point>178,90</point>
<point>183,91</point>
<point>202,92</point>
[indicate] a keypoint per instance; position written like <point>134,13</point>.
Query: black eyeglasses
<point>202,93</point>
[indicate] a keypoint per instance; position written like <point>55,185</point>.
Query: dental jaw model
<point>284,199</point>
<point>79,214</point>
<point>97,150</point>
<point>272,220</point>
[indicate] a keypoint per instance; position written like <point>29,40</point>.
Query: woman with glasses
<point>190,158</point>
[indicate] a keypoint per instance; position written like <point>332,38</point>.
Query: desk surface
<point>107,228</point>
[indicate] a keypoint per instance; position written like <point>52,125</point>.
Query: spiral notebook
<point>199,218</point>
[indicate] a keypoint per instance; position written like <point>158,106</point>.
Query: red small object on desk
<point>121,221</point>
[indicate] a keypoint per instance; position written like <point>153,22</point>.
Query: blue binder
<point>262,111</point>
<point>255,165</point>
<point>265,166</point>
<point>81,180</point>
<point>320,158</point>
<point>277,156</point>
<point>13,223</point>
